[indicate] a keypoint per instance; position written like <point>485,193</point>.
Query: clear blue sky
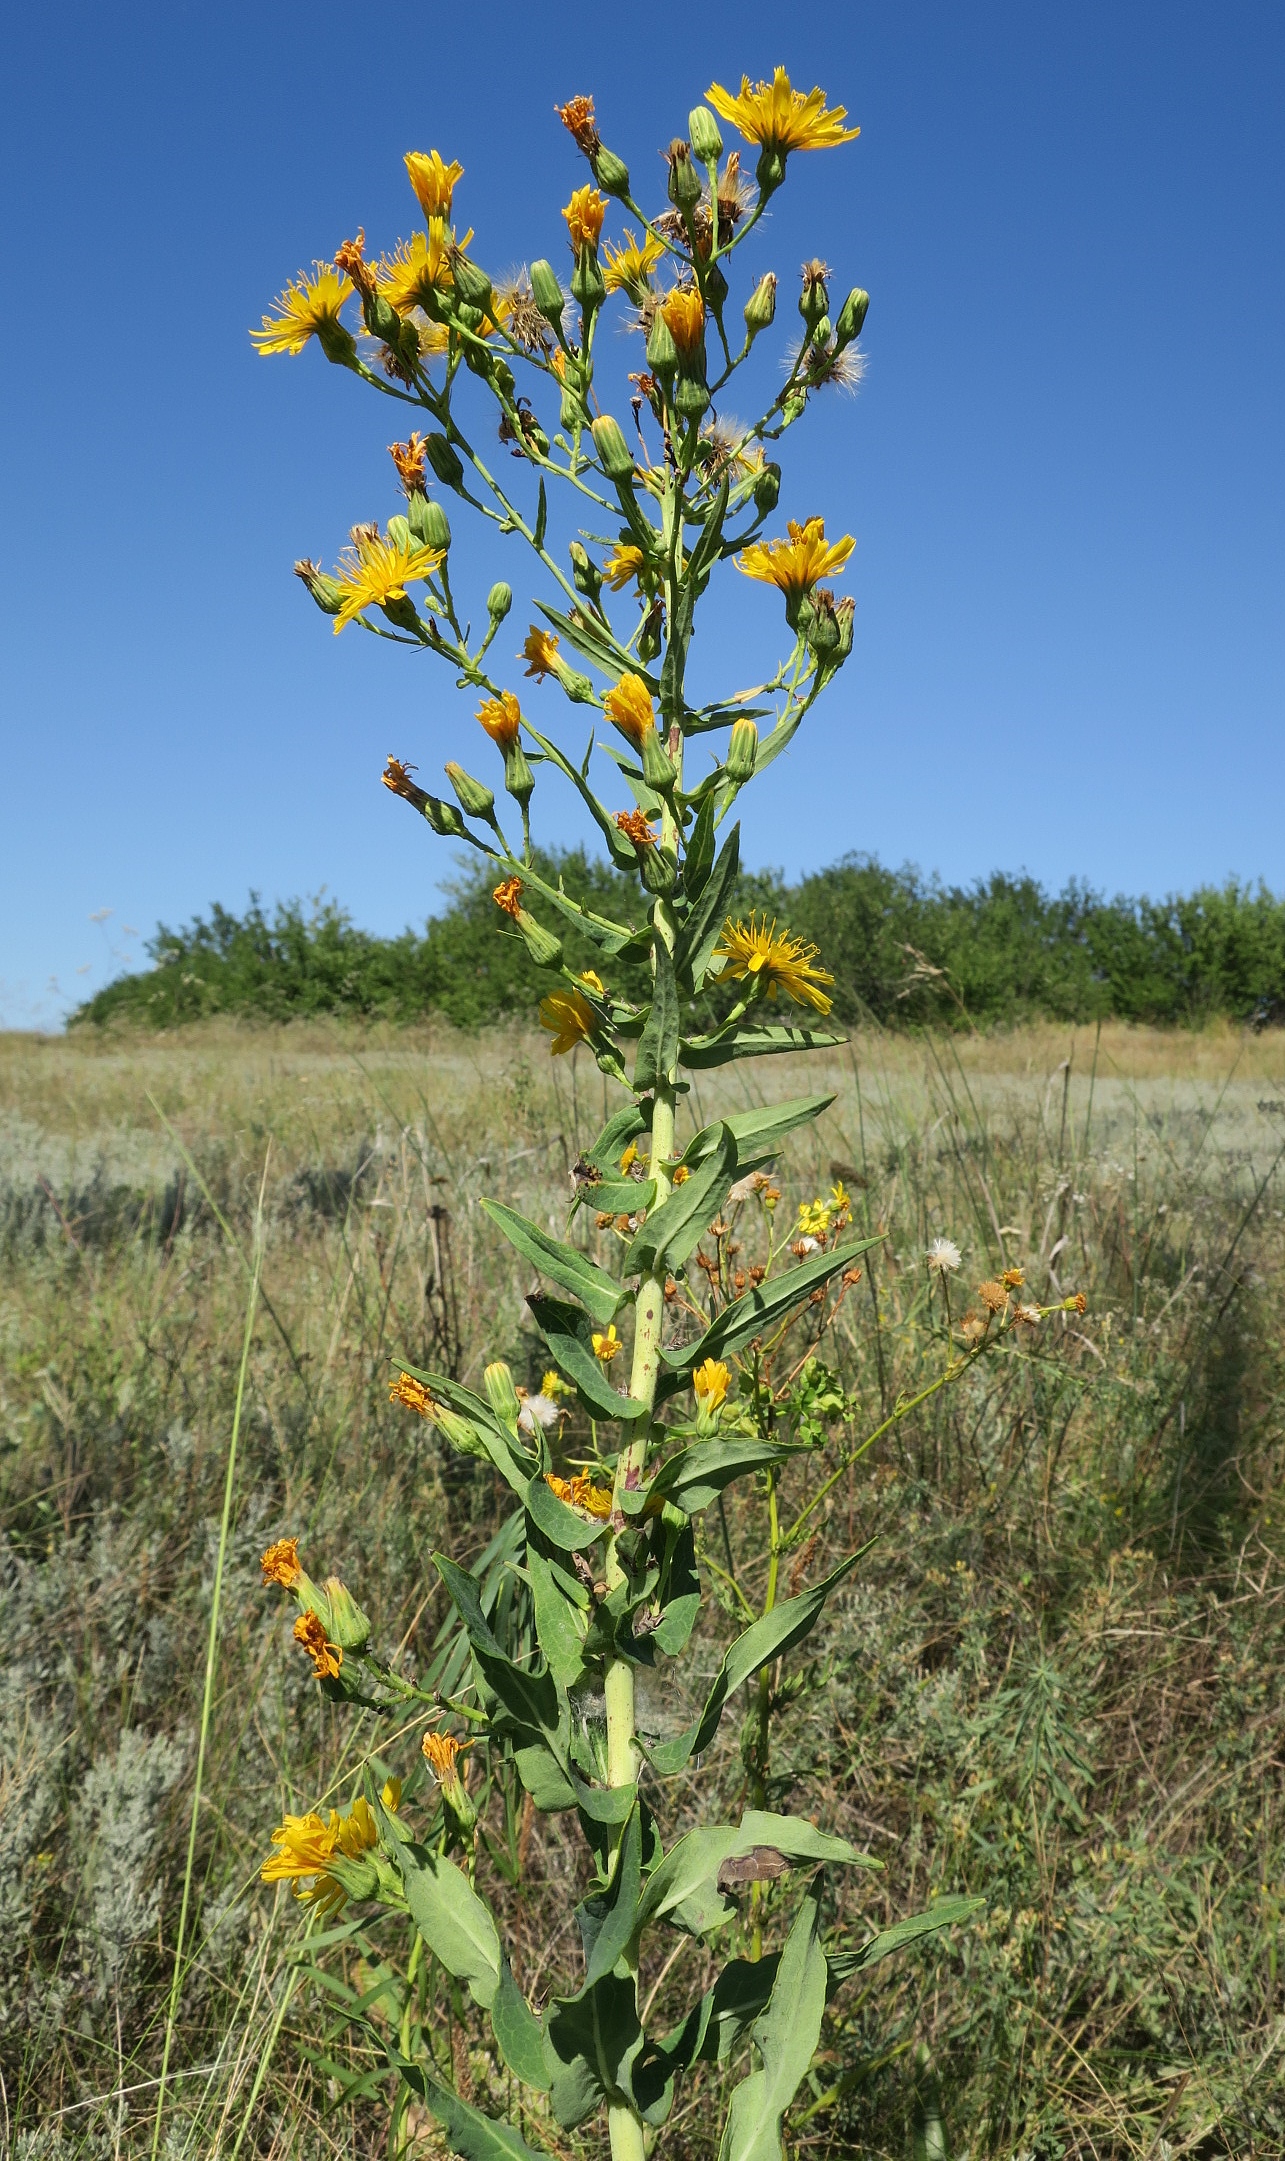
<point>1064,469</point>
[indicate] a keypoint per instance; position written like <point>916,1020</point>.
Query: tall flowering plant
<point>597,1577</point>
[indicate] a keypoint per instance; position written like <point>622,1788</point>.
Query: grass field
<point>1056,1682</point>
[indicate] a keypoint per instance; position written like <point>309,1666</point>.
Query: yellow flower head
<point>374,571</point>
<point>628,269</point>
<point>434,183</point>
<point>441,1753</point>
<point>624,562</point>
<point>593,981</point>
<point>578,1492</point>
<point>306,1847</point>
<point>413,1394</point>
<point>840,1198</point>
<point>757,951</point>
<point>795,565</point>
<point>684,312</point>
<point>814,1218</point>
<point>711,1382</point>
<point>553,1385</point>
<point>608,1346</point>
<point>502,719</point>
<point>417,269</point>
<point>633,1154</point>
<point>307,309</point>
<point>541,653</point>
<point>629,708</point>
<point>280,1564</point>
<point>570,1019</point>
<point>780,118</point>
<point>584,215</point>
<point>326,1657</point>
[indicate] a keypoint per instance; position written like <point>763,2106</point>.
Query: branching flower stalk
<point>596,1575</point>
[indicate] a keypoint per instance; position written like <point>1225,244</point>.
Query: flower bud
<point>444,459</point>
<point>770,171</point>
<point>822,627</point>
<point>585,573</point>
<point>444,818</point>
<point>761,305</point>
<point>684,180</point>
<point>461,1433</point>
<point>702,133</point>
<point>547,293</point>
<point>588,285</point>
<point>383,322</point>
<point>347,1625</point>
<point>544,948</point>
<point>715,290</point>
<point>851,317</point>
<point>814,300</point>
<point>662,353</point>
<point>571,413</point>
<point>613,451</point>
<point>328,595</point>
<point>742,751</point>
<point>400,609</point>
<point>501,1394</point>
<point>691,399</point>
<point>499,600</point>
<point>473,796</point>
<point>821,335</point>
<point>767,489</point>
<point>428,522</point>
<point>472,285</point>
<point>659,770</point>
<point>659,868</point>
<point>519,780</point>
<point>844,613</point>
<point>610,172</point>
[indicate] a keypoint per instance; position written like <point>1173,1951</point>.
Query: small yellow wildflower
<point>593,981</point>
<point>628,706</point>
<point>553,1385</point>
<point>433,181</point>
<point>624,563</point>
<point>628,269</point>
<point>308,308</point>
<point>814,1219</point>
<point>375,571</point>
<point>326,1657</point>
<point>608,1346</point>
<point>569,1018</point>
<point>541,652</point>
<point>711,1382</point>
<point>584,215</point>
<point>413,1394</point>
<point>684,312</point>
<point>795,565</point>
<point>757,950</point>
<point>633,1154</point>
<point>280,1564</point>
<point>306,1847</point>
<point>418,269</point>
<point>681,1175</point>
<point>578,1492</point>
<point>502,719</point>
<point>840,1198</point>
<point>780,118</point>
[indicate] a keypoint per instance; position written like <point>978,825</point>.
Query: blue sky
<point>1064,469</point>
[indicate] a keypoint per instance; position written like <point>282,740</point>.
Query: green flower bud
<point>328,595</point>
<point>547,293</point>
<point>613,451</point>
<point>337,343</point>
<point>662,353</point>
<point>500,376</point>
<point>821,335</point>
<point>761,305</point>
<point>659,868</point>
<point>518,777</point>
<point>587,283</point>
<point>715,289</point>
<point>814,300</point>
<point>473,796</point>
<point>544,948</point>
<point>428,522</point>
<point>770,171</point>
<point>347,1625</point>
<point>844,613</point>
<point>399,532</point>
<point>572,416</point>
<point>684,180</point>
<point>702,132</point>
<point>402,612</point>
<point>444,818</point>
<point>472,285</point>
<point>610,172</point>
<point>822,628</point>
<point>659,770</point>
<point>444,459</point>
<point>382,320</point>
<point>501,1394</point>
<point>461,1433</point>
<point>585,573</point>
<point>691,399</point>
<point>498,601</point>
<point>767,489</point>
<point>851,317</point>
<point>742,751</point>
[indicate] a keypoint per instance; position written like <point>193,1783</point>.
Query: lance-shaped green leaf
<point>564,1265</point>
<point>698,855</point>
<point>712,2030</point>
<point>591,2042</point>
<point>769,1637</point>
<point>607,1918</point>
<point>675,1229</point>
<point>562,1526</point>
<point>620,850</point>
<point>702,1053</point>
<point>569,1334</point>
<point>534,1711</point>
<point>559,1621</point>
<point>494,1440</point>
<point>701,931</point>
<point>618,1196</point>
<point>453,1921</point>
<point>658,1044</point>
<point>620,1129</point>
<point>468,2132</point>
<point>943,1913</point>
<point>679,1595</point>
<point>758,1310</point>
<point>697,1475</point>
<point>757,1133</point>
<point>684,1889</point>
<point>785,2035</point>
<point>519,2032</point>
<point>702,720</point>
<point>592,639</point>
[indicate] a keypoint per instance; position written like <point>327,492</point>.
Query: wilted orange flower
<point>409,459</point>
<point>441,1752</point>
<point>993,1296</point>
<point>628,706</point>
<point>502,717</point>
<point>326,1657</point>
<point>280,1564</point>
<point>433,181</point>
<point>579,1492</point>
<point>350,257</point>
<point>577,116</point>
<point>584,215</point>
<point>633,824</point>
<point>397,776</point>
<point>541,651</point>
<point>406,1389</point>
<point>508,896</point>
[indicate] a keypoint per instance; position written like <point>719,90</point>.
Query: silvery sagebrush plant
<point>596,1577</point>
